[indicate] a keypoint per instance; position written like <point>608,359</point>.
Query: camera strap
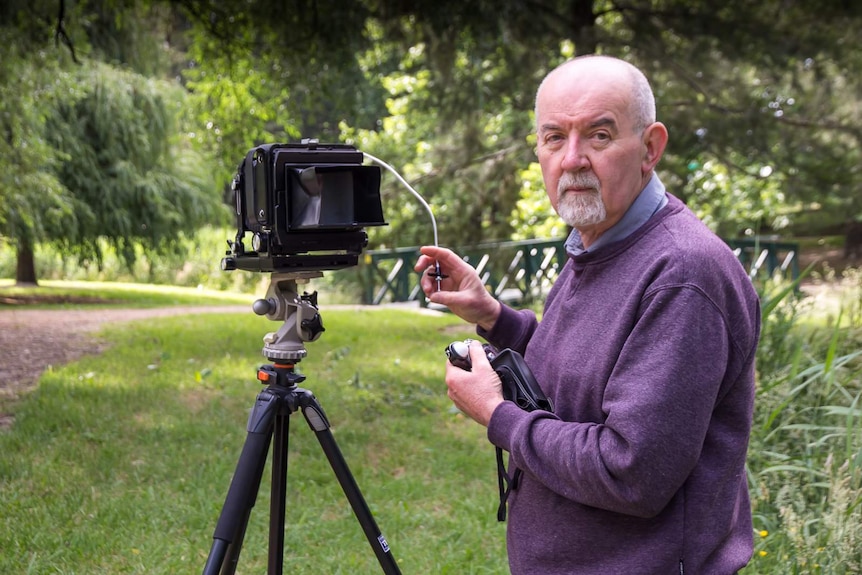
<point>519,386</point>
<point>504,483</point>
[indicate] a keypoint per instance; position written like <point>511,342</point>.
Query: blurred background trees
<point>124,121</point>
<point>93,148</point>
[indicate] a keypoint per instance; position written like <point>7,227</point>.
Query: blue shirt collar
<point>651,199</point>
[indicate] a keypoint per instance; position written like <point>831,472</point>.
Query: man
<point>646,348</point>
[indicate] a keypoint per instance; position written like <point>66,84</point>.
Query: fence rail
<point>523,272</point>
<point>766,256</point>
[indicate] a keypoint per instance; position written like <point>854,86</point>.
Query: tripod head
<point>299,314</point>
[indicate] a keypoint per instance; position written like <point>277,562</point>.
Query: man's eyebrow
<point>602,122</point>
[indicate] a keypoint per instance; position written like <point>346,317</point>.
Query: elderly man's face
<point>594,161</point>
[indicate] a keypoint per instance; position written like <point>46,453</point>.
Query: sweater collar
<point>651,199</point>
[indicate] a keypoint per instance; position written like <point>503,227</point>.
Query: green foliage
<point>129,36</point>
<point>533,216</point>
<point>72,294</point>
<point>762,103</point>
<point>235,107</point>
<point>194,261</point>
<point>772,119</point>
<point>134,182</point>
<point>94,151</point>
<point>805,458</point>
<point>464,163</point>
<point>261,72</point>
<point>743,117</point>
<point>732,202</point>
<point>32,198</point>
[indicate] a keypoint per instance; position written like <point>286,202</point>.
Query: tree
<point>132,179</point>
<point>95,152</point>
<point>32,199</point>
<point>766,94</point>
<point>762,99</point>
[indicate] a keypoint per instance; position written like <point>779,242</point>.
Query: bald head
<point>610,72</point>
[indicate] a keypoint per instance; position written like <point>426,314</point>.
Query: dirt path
<point>32,340</point>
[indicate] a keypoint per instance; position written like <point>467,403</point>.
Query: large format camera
<point>306,206</point>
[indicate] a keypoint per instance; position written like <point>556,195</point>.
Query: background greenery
<point>805,457</point>
<point>121,123</point>
<point>66,294</point>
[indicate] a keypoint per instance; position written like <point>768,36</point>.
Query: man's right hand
<point>461,291</point>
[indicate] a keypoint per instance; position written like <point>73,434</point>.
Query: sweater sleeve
<point>513,329</point>
<point>657,406</point>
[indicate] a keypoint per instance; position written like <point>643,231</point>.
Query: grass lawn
<point>120,463</point>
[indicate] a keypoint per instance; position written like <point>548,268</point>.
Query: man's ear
<point>655,141</point>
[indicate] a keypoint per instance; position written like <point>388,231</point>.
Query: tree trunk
<point>25,272</point>
<point>583,33</point>
<point>853,241</point>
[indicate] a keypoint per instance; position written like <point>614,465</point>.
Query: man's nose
<point>575,157</point>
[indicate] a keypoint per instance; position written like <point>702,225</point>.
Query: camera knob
<point>461,348</point>
<point>259,242</point>
<point>228,264</point>
<point>458,353</point>
<point>312,328</point>
<point>263,306</point>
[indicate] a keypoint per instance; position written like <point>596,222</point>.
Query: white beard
<point>580,209</point>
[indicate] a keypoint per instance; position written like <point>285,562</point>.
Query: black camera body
<point>306,206</point>
<point>519,384</point>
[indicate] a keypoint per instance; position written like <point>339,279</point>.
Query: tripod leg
<point>242,494</point>
<point>316,419</point>
<point>278,497</point>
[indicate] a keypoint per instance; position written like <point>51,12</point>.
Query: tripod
<point>269,422</point>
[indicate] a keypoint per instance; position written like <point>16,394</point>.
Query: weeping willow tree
<point>92,151</point>
<point>124,173</point>
<point>32,199</point>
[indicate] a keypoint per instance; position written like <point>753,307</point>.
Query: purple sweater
<point>646,348</point>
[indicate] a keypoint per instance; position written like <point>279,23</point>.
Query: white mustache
<point>577,180</point>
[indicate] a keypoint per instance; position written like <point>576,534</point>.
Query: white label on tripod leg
<point>383,544</point>
<point>315,419</point>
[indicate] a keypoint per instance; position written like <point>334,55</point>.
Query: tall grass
<point>805,458</point>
